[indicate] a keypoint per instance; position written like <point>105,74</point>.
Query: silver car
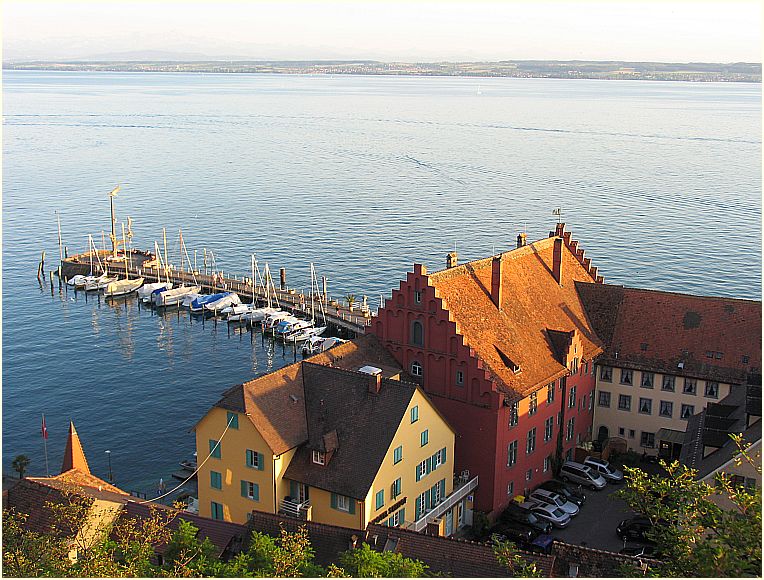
<point>582,474</point>
<point>554,499</point>
<point>604,468</point>
<point>556,516</point>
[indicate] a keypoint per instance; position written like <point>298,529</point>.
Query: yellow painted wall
<point>233,467</point>
<point>280,464</point>
<point>323,512</point>
<point>744,469</point>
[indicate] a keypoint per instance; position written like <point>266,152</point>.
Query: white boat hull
<point>146,290</point>
<point>230,300</point>
<point>122,287</point>
<point>175,296</point>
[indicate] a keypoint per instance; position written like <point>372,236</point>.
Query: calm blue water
<point>661,183</point>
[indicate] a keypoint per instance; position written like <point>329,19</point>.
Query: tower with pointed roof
<point>74,456</point>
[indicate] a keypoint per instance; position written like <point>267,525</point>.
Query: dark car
<point>518,513</point>
<point>570,494</point>
<point>514,532</point>
<point>638,550</point>
<point>635,529</point>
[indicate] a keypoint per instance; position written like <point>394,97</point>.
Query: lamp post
<point>111,477</point>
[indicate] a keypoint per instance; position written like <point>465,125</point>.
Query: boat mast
<point>113,236</point>
<point>124,245</point>
<point>91,245</point>
<point>60,246</point>
<point>253,281</point>
<point>166,263</point>
<point>180,233</point>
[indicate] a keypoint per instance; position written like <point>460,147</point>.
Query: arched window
<point>416,369</point>
<point>417,333</point>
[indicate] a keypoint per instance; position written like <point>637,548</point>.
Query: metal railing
<point>458,494</point>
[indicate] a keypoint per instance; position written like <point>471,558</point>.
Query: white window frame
<point>253,454</point>
<point>319,457</point>
<point>416,369</point>
<point>343,503</point>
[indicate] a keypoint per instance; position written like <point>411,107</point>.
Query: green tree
<point>695,536</point>
<point>507,555</point>
<point>288,556</point>
<point>188,556</point>
<point>363,562</point>
<point>20,464</point>
<point>350,298</point>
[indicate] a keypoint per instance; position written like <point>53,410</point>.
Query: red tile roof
<point>653,330</point>
<point>79,481</point>
<point>534,305</point>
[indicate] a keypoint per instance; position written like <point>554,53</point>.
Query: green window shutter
<point>293,493</point>
<point>334,500</point>
<point>419,472</point>
<point>244,489</point>
<point>256,492</point>
<point>442,489</point>
<point>428,499</point>
<point>351,501</point>
<point>429,464</point>
<point>403,513</point>
<point>216,452</point>
<point>233,420</point>
<point>443,455</point>
<point>260,461</point>
<point>380,498</point>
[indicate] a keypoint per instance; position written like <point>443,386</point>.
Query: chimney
<point>451,260</point>
<point>496,272</point>
<point>375,383</point>
<point>521,239</point>
<point>560,230</point>
<point>557,260</point>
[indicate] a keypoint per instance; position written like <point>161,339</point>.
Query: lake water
<point>661,183</point>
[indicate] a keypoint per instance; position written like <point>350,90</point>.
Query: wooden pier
<point>339,315</point>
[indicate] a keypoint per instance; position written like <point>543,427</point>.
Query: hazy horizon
<point>705,31</point>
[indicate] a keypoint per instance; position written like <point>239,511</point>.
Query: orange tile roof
<point>658,330</point>
<point>74,456</point>
<point>533,304</point>
<point>75,480</point>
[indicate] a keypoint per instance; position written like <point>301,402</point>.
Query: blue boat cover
<point>202,300</point>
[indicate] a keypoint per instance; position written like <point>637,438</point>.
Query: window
<point>395,520</point>
<point>648,380</point>
<point>418,296</point>
<point>421,505</point>
<point>591,401</point>
<point>417,333</point>
<point>232,420</point>
<point>528,475</point>
<point>513,414</point>
<point>319,457</point>
<point>647,440</point>
<point>398,454</point>
<point>341,503</point>
<point>624,402</point>
<point>626,376</point>
<point>255,459</point>
<point>574,365</point>
<point>216,480</point>
<point>217,511</point>
<point>512,454</point>
<point>547,463</point>
<point>668,383</point>
<point>380,500</point>
<point>424,438</point>
<point>439,458</point>
<point>690,387</point>
<point>572,398</point>
<point>586,368</point>
<point>548,428</point>
<point>421,469</point>
<point>550,393</point>
<point>621,431</point>
<point>510,488</point>
<point>645,406</point>
<point>719,355</point>
<point>416,369</point>
<point>745,359</point>
<point>459,378</point>
<point>571,427</point>
<point>395,489</point>
<point>687,411</point>
<point>632,433</point>
<point>667,409</point>
<point>415,413</point>
<point>709,354</point>
<point>437,492</point>
<point>604,399</point>
<point>250,490</point>
<point>215,449</point>
<point>532,404</point>
<point>712,390</point>
<point>583,403</point>
<point>530,443</point>
<point>606,374</point>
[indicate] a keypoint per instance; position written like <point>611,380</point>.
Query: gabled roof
<point>79,481</point>
<point>653,330</point>
<point>533,302</point>
<point>360,423</point>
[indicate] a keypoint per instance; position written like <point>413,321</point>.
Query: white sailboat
<point>176,296</point>
<point>266,282</point>
<point>124,286</point>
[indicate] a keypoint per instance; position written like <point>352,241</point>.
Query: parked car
<point>522,513</point>
<point>579,473</point>
<point>605,469</point>
<point>554,515</point>
<point>578,497</point>
<point>635,528</point>
<point>638,550</point>
<point>514,532</point>
<point>551,498</point>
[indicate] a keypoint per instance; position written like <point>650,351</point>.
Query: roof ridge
<point>686,295</point>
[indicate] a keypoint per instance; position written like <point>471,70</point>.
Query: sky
<point>650,30</point>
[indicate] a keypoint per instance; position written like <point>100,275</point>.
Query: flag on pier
<point>44,429</point>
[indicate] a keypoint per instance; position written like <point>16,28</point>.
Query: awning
<point>670,435</point>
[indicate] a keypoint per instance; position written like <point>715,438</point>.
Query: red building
<point>504,348</point>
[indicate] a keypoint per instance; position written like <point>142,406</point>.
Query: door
<point>449,522</point>
<point>602,434</point>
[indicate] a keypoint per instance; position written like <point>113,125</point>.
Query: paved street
<point>595,524</point>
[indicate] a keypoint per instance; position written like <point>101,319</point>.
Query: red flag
<point>44,429</point>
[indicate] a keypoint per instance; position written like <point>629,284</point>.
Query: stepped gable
<point>359,423</point>
<point>74,456</point>
<point>532,301</point>
<point>654,330</point>
<point>448,556</point>
<point>275,405</point>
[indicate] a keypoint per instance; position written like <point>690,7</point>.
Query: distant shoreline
<point>608,70</point>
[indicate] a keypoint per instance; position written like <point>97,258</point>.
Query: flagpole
<point>45,444</point>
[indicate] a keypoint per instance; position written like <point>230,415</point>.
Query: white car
<point>555,499</point>
<point>556,516</point>
<point>604,468</point>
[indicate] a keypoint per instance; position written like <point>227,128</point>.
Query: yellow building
<point>339,439</point>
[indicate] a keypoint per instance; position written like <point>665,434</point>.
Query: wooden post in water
<point>41,267</point>
<point>282,275</point>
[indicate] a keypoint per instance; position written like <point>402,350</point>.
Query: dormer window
<point>416,369</point>
<point>319,457</point>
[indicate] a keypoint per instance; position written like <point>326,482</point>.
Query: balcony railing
<point>295,509</point>
<point>462,487</point>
